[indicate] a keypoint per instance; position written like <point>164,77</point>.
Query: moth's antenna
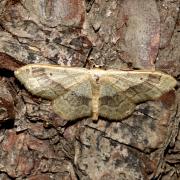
<point>105,64</point>
<point>91,64</point>
<point>87,58</point>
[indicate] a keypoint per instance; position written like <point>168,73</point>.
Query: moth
<point>79,92</point>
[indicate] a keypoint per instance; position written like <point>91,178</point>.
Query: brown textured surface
<point>35,143</point>
<point>9,63</point>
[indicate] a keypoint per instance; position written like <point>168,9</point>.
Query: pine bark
<point>35,143</point>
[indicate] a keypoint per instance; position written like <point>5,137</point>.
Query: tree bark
<point>36,143</point>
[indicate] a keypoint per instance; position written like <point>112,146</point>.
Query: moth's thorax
<point>96,74</point>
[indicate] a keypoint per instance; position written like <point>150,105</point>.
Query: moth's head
<point>95,66</point>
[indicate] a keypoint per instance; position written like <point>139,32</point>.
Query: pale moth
<point>79,92</point>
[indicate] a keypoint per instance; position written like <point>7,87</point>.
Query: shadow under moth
<point>79,92</point>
